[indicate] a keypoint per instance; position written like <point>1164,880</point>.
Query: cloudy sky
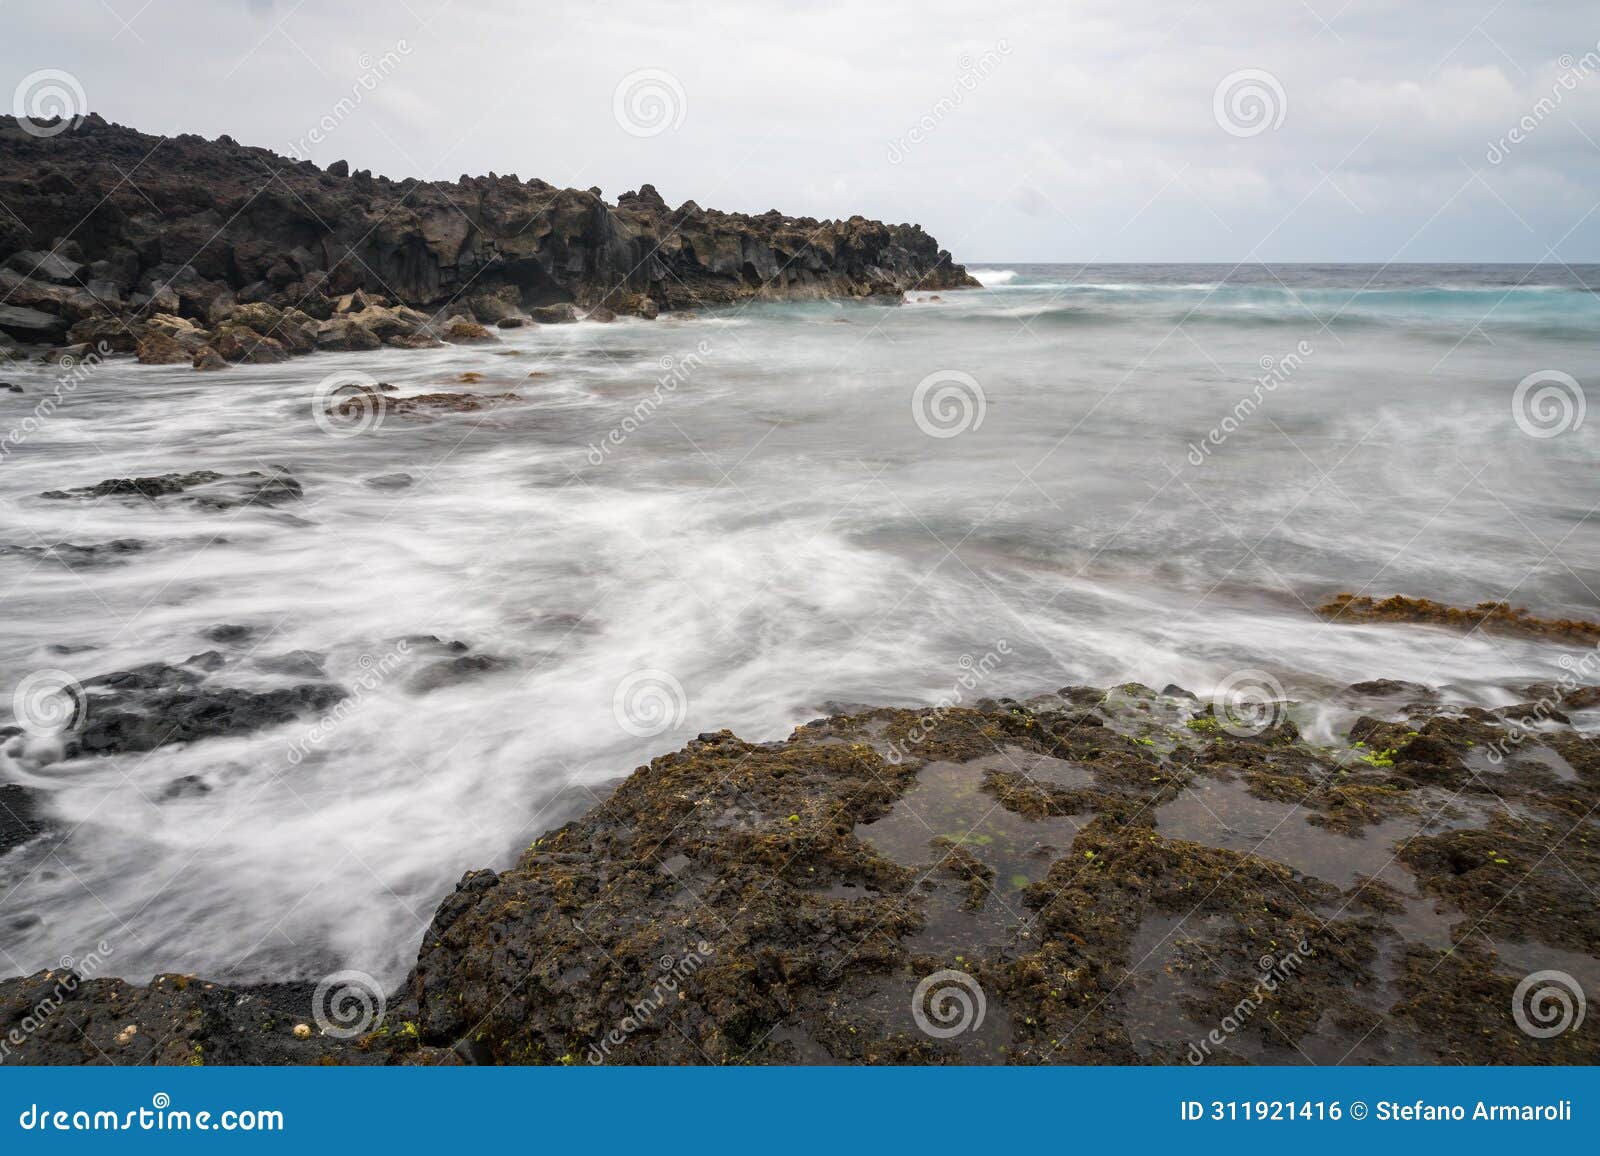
<point>1074,130</point>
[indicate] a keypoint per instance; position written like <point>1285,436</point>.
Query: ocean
<point>1074,475</point>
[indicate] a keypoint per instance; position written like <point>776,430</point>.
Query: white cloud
<point>1067,149</point>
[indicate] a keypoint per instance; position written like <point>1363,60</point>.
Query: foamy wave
<point>988,277</point>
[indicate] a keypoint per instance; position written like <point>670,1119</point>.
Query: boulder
<point>358,301</point>
<point>157,348</point>
<point>241,344</point>
<point>297,331</point>
<point>389,322</point>
<point>491,309</point>
<point>112,333</point>
<point>42,266</point>
<point>207,358</point>
<point>341,333</point>
<point>460,331</point>
<point>258,315</point>
<point>186,333</point>
<point>31,325</point>
<point>554,314</point>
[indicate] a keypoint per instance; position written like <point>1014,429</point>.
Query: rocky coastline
<point>213,253</point>
<point>1116,876</point>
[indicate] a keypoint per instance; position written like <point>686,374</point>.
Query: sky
<point>1013,130</point>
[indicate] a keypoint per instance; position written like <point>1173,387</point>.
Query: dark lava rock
<point>1392,688</point>
<point>306,240</point>
<point>185,787</point>
<point>150,676</point>
<point>19,816</point>
<point>455,670</point>
<point>783,902</point>
<point>207,660</point>
<point>391,481</point>
<point>80,557</point>
<point>153,487</point>
<point>296,663</point>
<point>206,489</point>
<point>31,325</point>
<point>229,633</point>
<point>58,1017</point>
<point>146,721</point>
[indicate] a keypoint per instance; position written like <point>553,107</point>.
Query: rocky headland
<point>180,249</point>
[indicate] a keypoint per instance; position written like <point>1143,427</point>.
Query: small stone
<point>302,1031</point>
<point>125,1036</point>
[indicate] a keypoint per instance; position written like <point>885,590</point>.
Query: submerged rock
<point>204,488</point>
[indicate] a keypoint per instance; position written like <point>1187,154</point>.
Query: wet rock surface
<point>205,489</point>
<point>1123,876</point>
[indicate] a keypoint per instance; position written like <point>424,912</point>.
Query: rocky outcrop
<point>219,234</point>
<point>1087,877</point>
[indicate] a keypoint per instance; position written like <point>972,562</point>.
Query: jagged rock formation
<point>111,228</point>
<point>1088,877</point>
